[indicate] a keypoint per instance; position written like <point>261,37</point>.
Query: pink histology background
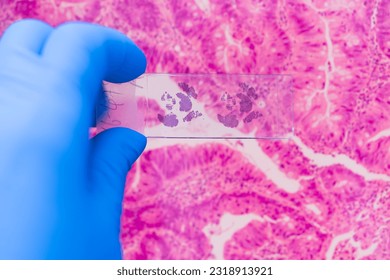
<point>324,194</point>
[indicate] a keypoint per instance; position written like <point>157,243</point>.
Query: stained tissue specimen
<point>185,102</point>
<point>191,115</point>
<point>252,93</point>
<point>251,116</point>
<point>169,120</point>
<point>229,100</point>
<point>243,105</point>
<point>230,120</point>
<point>169,100</point>
<point>323,194</point>
<point>189,90</point>
<point>184,106</point>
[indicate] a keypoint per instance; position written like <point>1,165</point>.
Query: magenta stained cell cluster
<point>324,194</point>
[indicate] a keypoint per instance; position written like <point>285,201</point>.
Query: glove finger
<point>29,34</point>
<point>112,154</point>
<point>92,53</point>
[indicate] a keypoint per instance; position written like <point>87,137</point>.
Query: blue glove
<point>61,193</point>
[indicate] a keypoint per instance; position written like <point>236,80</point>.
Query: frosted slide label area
<point>201,106</point>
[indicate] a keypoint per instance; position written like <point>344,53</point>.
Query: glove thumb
<point>113,152</point>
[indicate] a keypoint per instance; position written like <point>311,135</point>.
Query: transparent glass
<point>201,106</point>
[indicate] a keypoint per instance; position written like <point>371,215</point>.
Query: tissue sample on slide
<point>323,194</point>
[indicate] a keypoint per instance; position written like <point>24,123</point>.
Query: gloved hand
<point>61,193</point>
